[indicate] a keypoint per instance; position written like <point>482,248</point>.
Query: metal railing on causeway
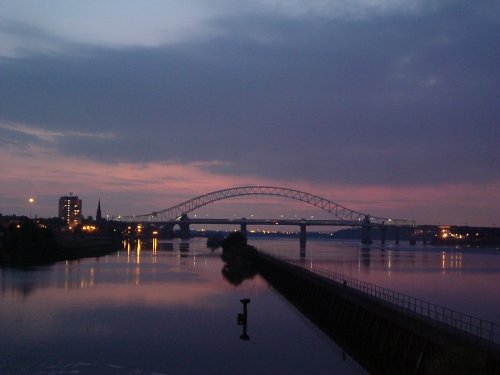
<point>448,319</point>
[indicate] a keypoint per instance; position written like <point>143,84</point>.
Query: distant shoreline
<point>85,247</point>
<point>32,248</point>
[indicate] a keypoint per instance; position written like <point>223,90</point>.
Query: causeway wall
<point>381,337</point>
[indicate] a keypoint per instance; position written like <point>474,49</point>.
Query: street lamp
<point>31,200</point>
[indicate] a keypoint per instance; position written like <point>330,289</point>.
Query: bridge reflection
<point>366,230</point>
<point>383,257</point>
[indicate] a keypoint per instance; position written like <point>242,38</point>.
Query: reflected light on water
<point>461,278</point>
<point>389,262</point>
<point>155,245</point>
<point>451,261</point>
<point>173,294</point>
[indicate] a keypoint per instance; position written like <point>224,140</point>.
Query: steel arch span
<point>337,210</point>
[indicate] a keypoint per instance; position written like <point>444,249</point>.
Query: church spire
<point>98,216</point>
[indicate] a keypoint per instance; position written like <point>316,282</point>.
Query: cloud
<point>140,188</point>
<point>390,100</point>
<point>342,8</point>
<point>110,23</point>
<point>50,135</point>
<point>46,27</point>
<point>322,93</point>
<point>46,173</point>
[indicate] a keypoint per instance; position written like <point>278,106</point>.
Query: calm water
<point>171,311</point>
<point>464,279</point>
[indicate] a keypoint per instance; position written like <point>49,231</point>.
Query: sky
<point>389,107</point>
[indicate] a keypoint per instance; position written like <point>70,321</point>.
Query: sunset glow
<point>383,107</point>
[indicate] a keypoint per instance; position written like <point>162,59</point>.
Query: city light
<point>31,200</point>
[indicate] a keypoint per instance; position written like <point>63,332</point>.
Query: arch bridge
<point>338,211</point>
<point>343,216</point>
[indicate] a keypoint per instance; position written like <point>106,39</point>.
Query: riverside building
<point>70,210</point>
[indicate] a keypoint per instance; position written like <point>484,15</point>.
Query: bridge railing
<point>448,319</point>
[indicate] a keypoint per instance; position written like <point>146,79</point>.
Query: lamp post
<point>31,200</point>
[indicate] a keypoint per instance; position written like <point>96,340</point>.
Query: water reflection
<point>155,245</point>
<point>237,269</point>
<point>389,259</point>
<point>451,260</point>
<point>446,276</point>
<point>75,279</point>
<point>136,254</point>
<point>302,250</point>
<point>366,257</point>
<point>134,247</point>
<point>140,294</point>
<point>242,319</point>
<point>184,246</point>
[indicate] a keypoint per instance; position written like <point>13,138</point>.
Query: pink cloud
<point>137,188</point>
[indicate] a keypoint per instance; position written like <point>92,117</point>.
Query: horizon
<point>302,210</point>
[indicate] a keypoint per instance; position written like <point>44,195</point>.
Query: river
<point>166,308</point>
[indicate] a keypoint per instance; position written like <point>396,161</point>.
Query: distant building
<point>98,215</point>
<point>70,210</point>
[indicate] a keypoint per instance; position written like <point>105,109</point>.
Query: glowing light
<point>31,200</point>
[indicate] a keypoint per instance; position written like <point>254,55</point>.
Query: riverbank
<point>28,244</point>
<point>71,247</point>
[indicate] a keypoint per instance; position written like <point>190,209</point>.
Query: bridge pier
<point>366,239</point>
<point>382,234</point>
<point>424,237</point>
<point>396,233</point>
<point>184,227</point>
<point>169,231</point>
<point>243,226</point>
<point>413,237</point>
<point>303,232</point>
